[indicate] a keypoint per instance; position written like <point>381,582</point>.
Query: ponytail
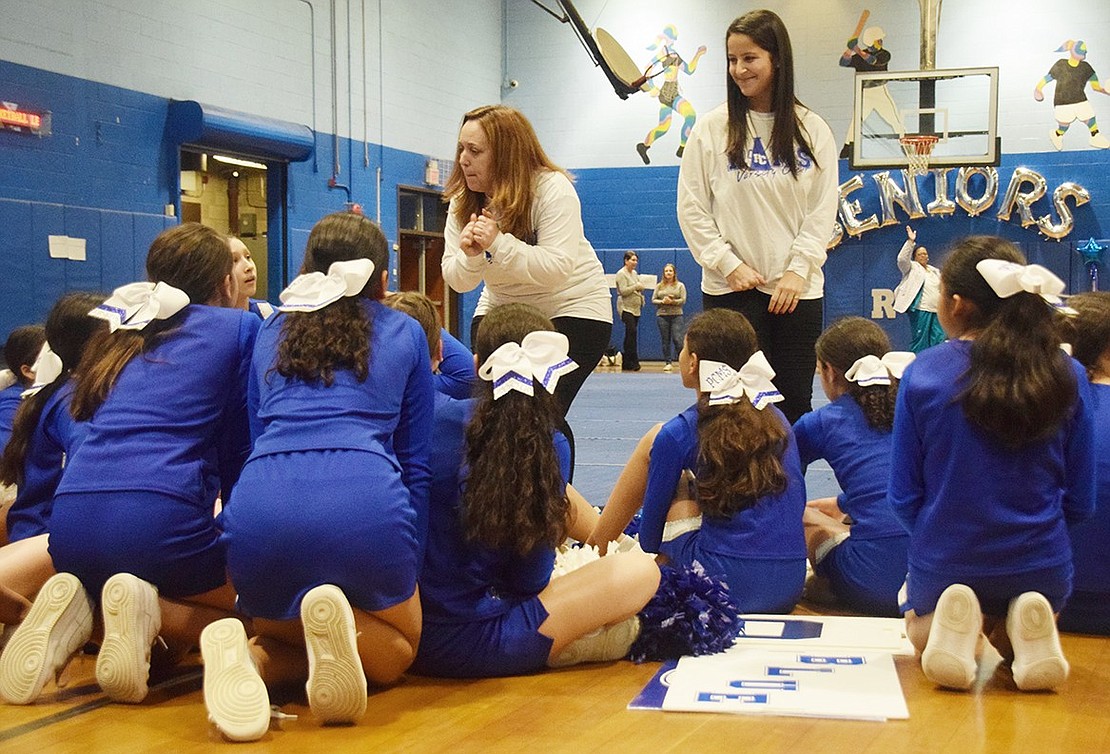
<point>68,330</point>
<point>515,497</point>
<point>1019,386</point>
<point>314,345</point>
<point>740,448</point>
<point>844,342</point>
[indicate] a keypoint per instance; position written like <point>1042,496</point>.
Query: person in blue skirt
<point>992,458</point>
<point>721,483</point>
<point>855,542</point>
<point>324,529</point>
<point>43,435</point>
<point>1088,609</point>
<point>164,395</point>
<point>500,506</point>
<point>20,351</point>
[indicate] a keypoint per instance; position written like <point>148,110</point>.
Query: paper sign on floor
<point>851,685</point>
<point>824,632</point>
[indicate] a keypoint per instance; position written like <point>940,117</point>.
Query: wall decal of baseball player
<point>865,53</point>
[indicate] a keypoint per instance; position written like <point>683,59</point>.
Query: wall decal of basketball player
<point>670,99</point>
<point>1070,104</point>
<point>865,53</point>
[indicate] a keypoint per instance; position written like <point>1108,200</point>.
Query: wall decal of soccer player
<point>1072,74</point>
<point>865,53</point>
<point>670,98</point>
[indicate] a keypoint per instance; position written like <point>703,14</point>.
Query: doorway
<point>421,218</point>
<point>230,193</point>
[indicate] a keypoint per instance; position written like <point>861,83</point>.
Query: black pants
<point>630,355</point>
<point>787,341</point>
<point>588,339</point>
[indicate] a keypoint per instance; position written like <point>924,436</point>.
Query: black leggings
<point>787,341</point>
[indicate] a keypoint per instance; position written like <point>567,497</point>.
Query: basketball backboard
<point>959,106</point>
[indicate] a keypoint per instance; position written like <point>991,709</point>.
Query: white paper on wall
<point>64,247</point>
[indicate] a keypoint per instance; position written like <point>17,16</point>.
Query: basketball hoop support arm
<point>571,16</point>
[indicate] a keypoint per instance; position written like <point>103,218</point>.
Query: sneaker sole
<point>336,685</point>
<point>234,694</point>
<point>131,622</point>
<point>1039,663</point>
<point>949,656</point>
<point>58,624</point>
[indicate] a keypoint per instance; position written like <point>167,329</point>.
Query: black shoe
<point>846,150</point>
<point>642,149</point>
<point>681,149</point>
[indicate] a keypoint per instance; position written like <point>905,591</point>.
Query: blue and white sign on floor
<point>755,680</point>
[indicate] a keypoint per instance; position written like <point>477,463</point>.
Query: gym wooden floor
<point>584,709</point>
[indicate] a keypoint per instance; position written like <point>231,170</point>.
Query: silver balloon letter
<point>1023,199</point>
<point>890,193</point>
<point>1059,201</point>
<point>990,192</point>
<point>849,210</point>
<point>941,205</point>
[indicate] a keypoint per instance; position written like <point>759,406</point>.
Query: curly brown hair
<point>840,345</point>
<point>1019,386</point>
<point>314,345</point>
<point>515,497</point>
<point>740,448</point>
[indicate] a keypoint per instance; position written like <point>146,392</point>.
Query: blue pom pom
<point>691,614</point>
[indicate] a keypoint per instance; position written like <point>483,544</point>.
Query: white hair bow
<point>725,385</point>
<point>136,305</point>
<point>540,354</point>
<point>872,370</point>
<point>1008,278</point>
<point>47,368</point>
<point>315,290</point>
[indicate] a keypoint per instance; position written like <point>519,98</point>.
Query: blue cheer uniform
<point>867,569</point>
<point>1088,608</point>
<point>760,552</point>
<point>10,398</point>
<point>336,487</point>
<point>56,437</point>
<point>978,513</point>
<point>137,496</point>
<point>482,611</point>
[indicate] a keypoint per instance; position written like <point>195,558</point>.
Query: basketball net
<point>918,149</point>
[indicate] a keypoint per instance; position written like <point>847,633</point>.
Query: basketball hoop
<point>918,149</point>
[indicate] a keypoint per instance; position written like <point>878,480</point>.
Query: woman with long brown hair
<point>515,224</point>
<point>757,192</point>
<point>164,395</point>
<point>721,483</point>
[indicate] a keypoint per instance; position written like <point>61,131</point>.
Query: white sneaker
<point>1039,662</point>
<point>667,367</point>
<point>1099,141</point>
<point>336,682</point>
<point>58,624</point>
<point>606,644</point>
<point>949,656</point>
<point>1057,139</point>
<point>132,620</point>
<point>234,694</point>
